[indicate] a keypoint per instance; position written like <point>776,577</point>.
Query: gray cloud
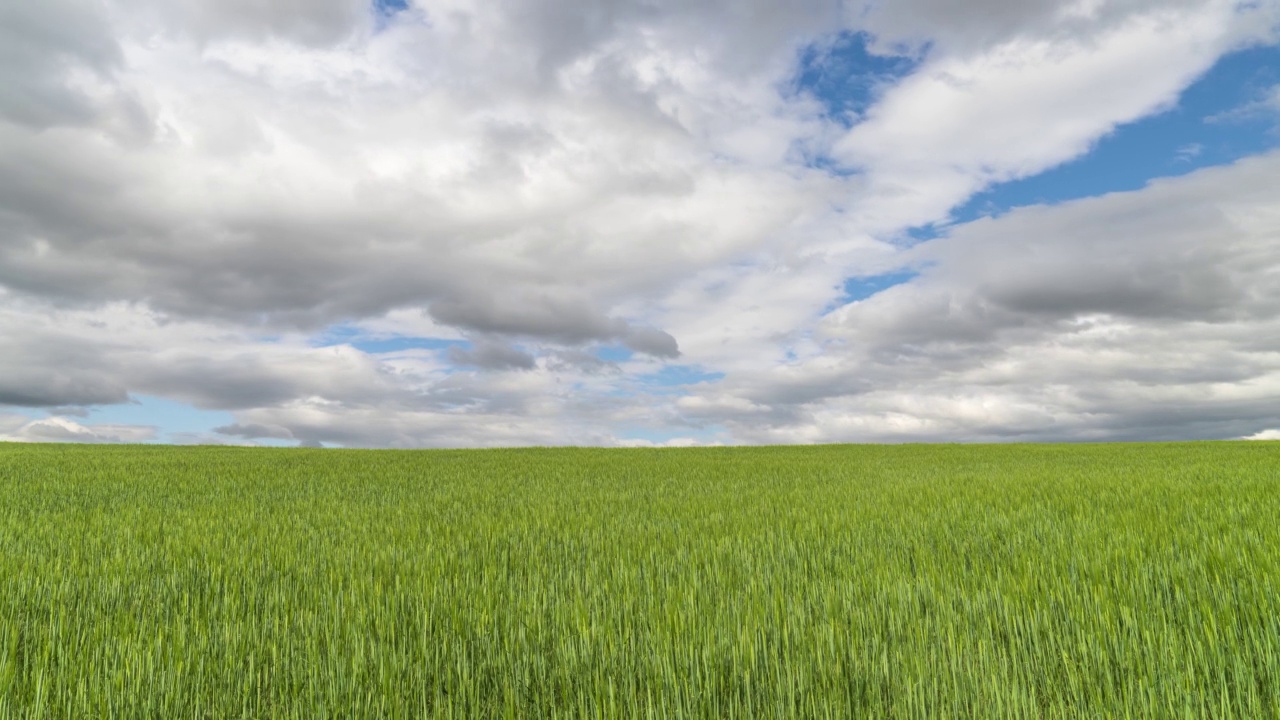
<point>651,341</point>
<point>40,44</point>
<point>41,369</point>
<point>255,431</point>
<point>314,22</point>
<point>247,379</point>
<point>578,360</point>
<point>490,355</point>
<point>52,389</point>
<point>553,313</point>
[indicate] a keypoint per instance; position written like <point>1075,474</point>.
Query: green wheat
<point>1030,581</point>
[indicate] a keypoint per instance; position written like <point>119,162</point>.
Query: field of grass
<point>843,581</point>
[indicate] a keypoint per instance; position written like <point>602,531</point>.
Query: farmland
<point>1136,580</point>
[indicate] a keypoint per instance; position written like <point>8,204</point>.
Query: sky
<point>466,223</point>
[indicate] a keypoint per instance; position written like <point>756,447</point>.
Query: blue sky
<point>391,226</point>
<point>1211,124</point>
<point>846,76</point>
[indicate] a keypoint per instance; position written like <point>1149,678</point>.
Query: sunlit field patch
<point>835,582</point>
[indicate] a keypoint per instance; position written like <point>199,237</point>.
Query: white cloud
<point>964,120</point>
<point>677,442</point>
<point>1265,105</point>
<point>63,429</point>
<point>1271,434</point>
<point>1020,107</point>
<point>1189,152</point>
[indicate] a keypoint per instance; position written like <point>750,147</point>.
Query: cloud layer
<point>621,222</point>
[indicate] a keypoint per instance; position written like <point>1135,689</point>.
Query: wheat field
<point>1019,581</point>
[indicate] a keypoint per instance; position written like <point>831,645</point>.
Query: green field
<point>841,581</point>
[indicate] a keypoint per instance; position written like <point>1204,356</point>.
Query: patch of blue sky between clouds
<point>385,12</point>
<point>390,8</point>
<point>170,417</point>
<point>923,233</point>
<point>859,288</point>
<point>1211,124</point>
<point>708,435</point>
<point>614,353</point>
<point>670,380</point>
<point>846,78</point>
<point>673,378</point>
<point>382,344</point>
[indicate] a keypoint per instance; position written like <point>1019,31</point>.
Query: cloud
<point>488,211</point>
<point>677,442</point>
<point>492,356</point>
<point>368,427</point>
<point>1138,315</point>
<point>62,429</point>
<point>580,361</point>
<point>1271,434</point>
<point>194,193</point>
<point>1265,105</point>
<point>1188,152</point>
<point>1016,108</point>
<point>253,431</point>
<point>651,341</point>
<point>44,45</point>
<point>974,26</point>
<point>499,210</point>
<point>42,367</point>
<point>53,356</point>
<point>53,388</point>
<point>313,22</point>
<point>68,411</point>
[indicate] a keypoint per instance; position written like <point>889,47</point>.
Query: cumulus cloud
<point>194,193</point>
<point>1272,434</point>
<point>63,429</point>
<point>487,204</point>
<point>1144,314</point>
<point>1024,105</point>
